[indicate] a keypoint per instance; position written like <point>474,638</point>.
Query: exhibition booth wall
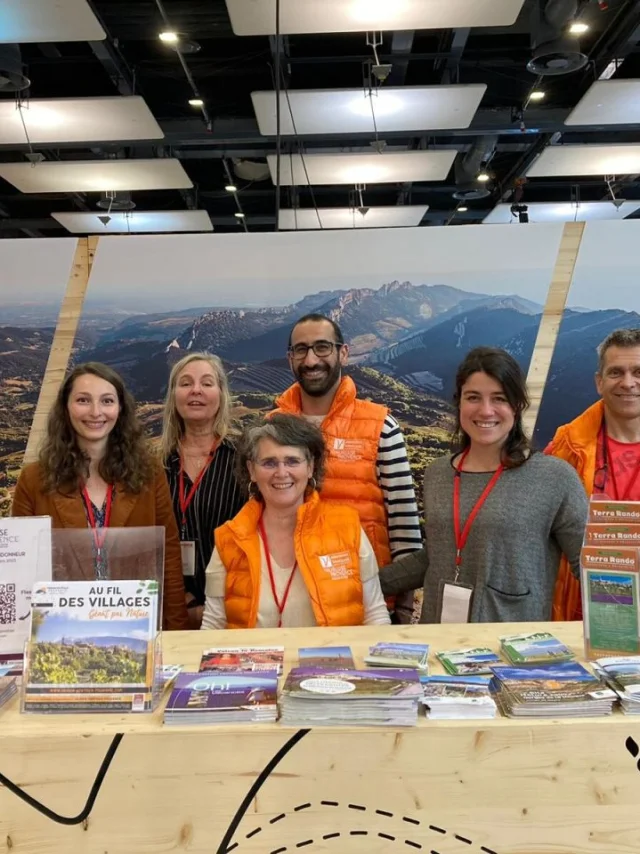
<point>411,303</point>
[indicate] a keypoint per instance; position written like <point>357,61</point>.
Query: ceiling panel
<point>135,222</point>
<point>330,111</point>
<point>48,21</point>
<point>258,17</point>
<point>387,168</point>
<point>375,217</point>
<point>53,120</point>
<point>608,102</point>
<point>89,176</point>
<point>563,212</point>
<point>558,161</point>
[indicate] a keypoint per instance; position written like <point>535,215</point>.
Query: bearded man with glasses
<point>367,463</point>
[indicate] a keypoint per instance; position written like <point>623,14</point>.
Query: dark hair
<point>127,460</point>
<point>317,318</point>
<point>503,368</point>
<point>618,338</point>
<point>283,430</point>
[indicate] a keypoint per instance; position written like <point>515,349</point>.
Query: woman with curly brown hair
<point>95,470</point>
<point>288,558</point>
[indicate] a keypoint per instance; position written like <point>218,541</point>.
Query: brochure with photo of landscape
<point>473,661</point>
<point>336,657</point>
<point>210,697</point>
<point>399,655</point>
<point>243,659</point>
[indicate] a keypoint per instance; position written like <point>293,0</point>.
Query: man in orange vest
<point>367,463</point>
<point>603,444</point>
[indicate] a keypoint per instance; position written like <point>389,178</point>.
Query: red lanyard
<point>280,605</point>
<point>185,501</point>
<point>462,537</point>
<point>98,537</point>
<point>606,454</point>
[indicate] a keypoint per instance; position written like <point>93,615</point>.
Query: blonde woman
<point>199,460</point>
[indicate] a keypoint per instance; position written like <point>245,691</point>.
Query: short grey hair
<point>618,338</point>
<point>284,430</point>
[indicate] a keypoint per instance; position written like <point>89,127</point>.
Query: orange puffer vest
<point>327,545</point>
<point>577,444</point>
<point>351,433</point>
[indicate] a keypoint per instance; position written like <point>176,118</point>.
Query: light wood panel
<point>460,787</point>
<point>552,318</point>
<point>63,339</point>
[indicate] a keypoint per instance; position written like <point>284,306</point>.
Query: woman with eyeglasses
<point>288,559</point>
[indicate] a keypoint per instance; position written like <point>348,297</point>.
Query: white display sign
<point>25,557</point>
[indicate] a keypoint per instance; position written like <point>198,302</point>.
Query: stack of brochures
<point>386,697</point>
<point>92,647</point>
<point>565,689</point>
<point>535,648</point>
<point>211,697</point>
<point>243,659</point>
<point>326,657</point>
<point>414,655</point>
<point>622,674</point>
<point>457,697</point>
<point>468,662</point>
<point>8,685</point>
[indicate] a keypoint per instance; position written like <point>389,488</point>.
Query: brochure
<point>612,535</point>
<point>535,648</point>
<point>244,659</point>
<point>614,511</point>
<point>610,600</point>
<point>450,697</point>
<point>332,657</point>
<point>399,655</point>
<point>475,660</point>
<point>92,646</point>
<point>210,697</point>
<point>25,557</point>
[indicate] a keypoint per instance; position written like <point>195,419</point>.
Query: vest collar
<point>291,399</point>
<point>245,523</point>
<point>582,433</point>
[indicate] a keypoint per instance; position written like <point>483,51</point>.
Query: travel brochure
<point>243,659</point>
<point>398,655</point>
<point>457,697</point>
<point>336,657</point>
<point>535,648</point>
<point>210,697</point>
<point>473,661</point>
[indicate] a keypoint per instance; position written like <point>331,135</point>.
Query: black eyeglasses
<point>321,349</point>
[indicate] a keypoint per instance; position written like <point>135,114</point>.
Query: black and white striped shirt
<point>217,500</point>
<point>396,482</point>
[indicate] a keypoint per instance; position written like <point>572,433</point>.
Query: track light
<point>169,37</point>
<point>536,95</point>
<point>483,177</point>
<point>196,102</point>
<point>239,215</point>
<point>231,188</point>
<point>578,28</point>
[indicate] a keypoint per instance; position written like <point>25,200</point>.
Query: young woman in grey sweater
<point>497,515</point>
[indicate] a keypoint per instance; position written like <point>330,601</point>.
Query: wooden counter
<point>461,787</point>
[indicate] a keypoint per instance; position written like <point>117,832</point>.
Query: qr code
<point>7,604</point>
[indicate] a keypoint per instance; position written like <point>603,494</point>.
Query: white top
<point>298,611</point>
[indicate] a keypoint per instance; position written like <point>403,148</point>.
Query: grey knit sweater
<point>534,513</point>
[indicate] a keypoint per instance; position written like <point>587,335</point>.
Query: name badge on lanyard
<point>454,605</point>
<point>188,551</point>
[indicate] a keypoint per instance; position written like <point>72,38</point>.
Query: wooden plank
<point>62,343</point>
<point>552,318</point>
<point>451,787</point>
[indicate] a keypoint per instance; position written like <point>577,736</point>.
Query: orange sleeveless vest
<point>577,444</point>
<point>327,545</point>
<point>351,432</point>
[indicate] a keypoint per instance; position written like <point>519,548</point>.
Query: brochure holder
<point>95,641</point>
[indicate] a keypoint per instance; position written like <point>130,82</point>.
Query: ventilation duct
<point>554,51</point>
<point>12,78</point>
<point>467,167</point>
<point>116,201</point>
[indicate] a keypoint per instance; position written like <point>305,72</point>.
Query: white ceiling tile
<point>563,212</point>
<point>336,111</point>
<point>329,218</point>
<point>608,102</point>
<point>558,161</point>
<point>258,17</point>
<point>23,21</point>
<point>135,222</point>
<point>54,120</point>
<point>88,176</point>
<point>390,167</point>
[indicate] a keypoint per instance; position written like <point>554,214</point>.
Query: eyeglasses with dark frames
<point>322,349</point>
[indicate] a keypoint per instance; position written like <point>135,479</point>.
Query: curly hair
<point>128,459</point>
<point>172,422</point>
<point>284,430</point>
<point>503,368</point>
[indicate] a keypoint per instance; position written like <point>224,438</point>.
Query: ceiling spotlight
<point>536,95</point>
<point>169,37</point>
<point>463,209</point>
<point>239,215</point>
<point>196,102</point>
<point>231,188</point>
<point>577,28</point>
<point>483,177</point>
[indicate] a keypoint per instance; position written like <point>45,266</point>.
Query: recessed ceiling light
<point>196,102</point>
<point>463,209</point>
<point>239,215</point>
<point>231,188</point>
<point>169,37</point>
<point>483,177</point>
<point>536,95</point>
<point>577,28</point>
